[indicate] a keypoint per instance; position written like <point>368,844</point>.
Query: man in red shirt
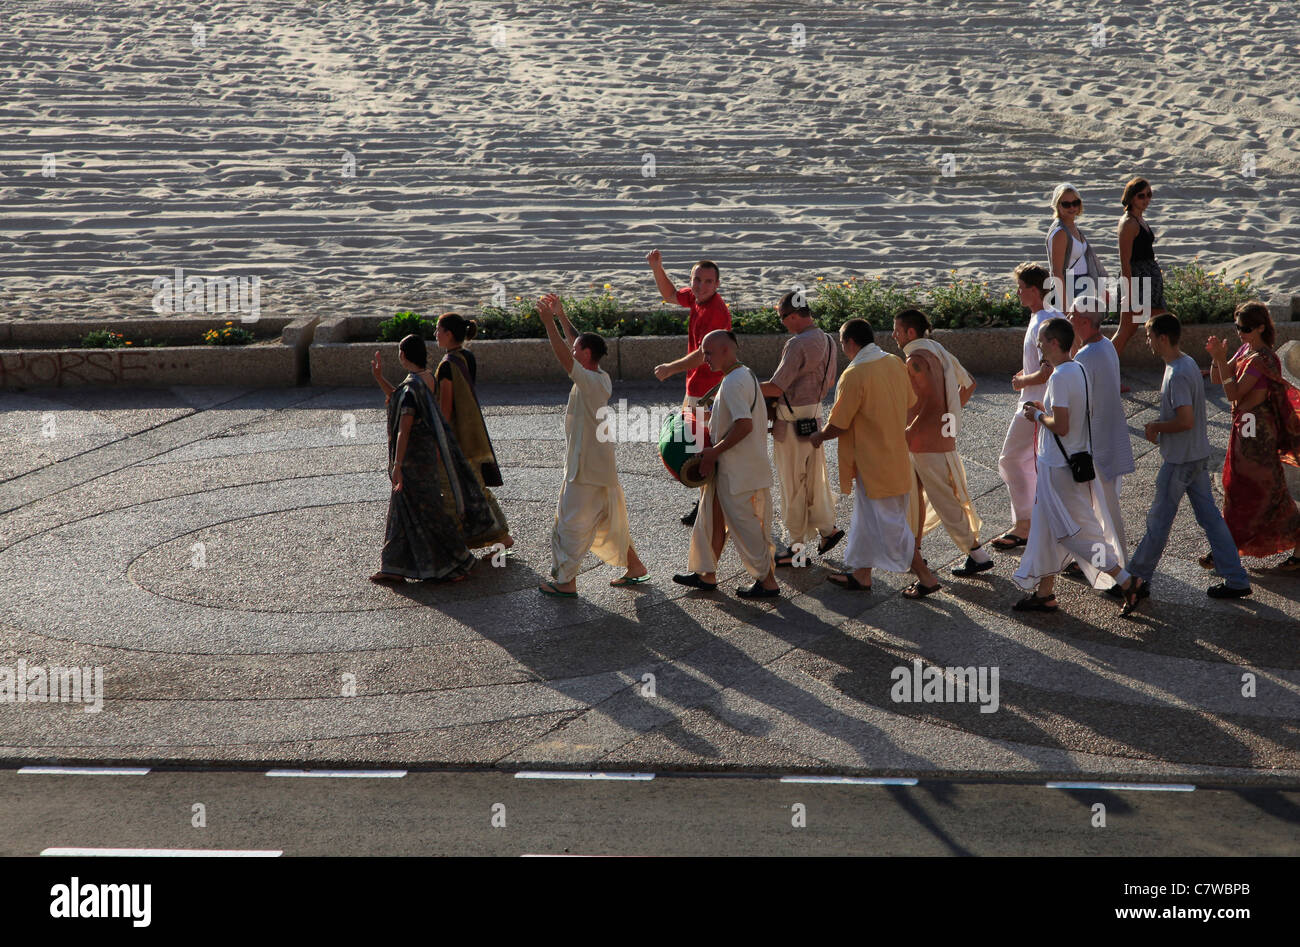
<point>708,312</point>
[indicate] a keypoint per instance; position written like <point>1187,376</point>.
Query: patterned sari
<point>1258,507</point>
<point>441,512</point>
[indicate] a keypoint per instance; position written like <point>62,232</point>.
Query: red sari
<point>1258,507</point>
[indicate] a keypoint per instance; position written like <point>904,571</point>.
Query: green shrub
<point>1198,295</point>
<point>1195,294</point>
<point>103,339</point>
<point>404,324</point>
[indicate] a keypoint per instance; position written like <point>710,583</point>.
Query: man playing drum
<point>805,375</point>
<point>738,500</point>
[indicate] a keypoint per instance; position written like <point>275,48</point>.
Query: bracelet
<point>1039,415</point>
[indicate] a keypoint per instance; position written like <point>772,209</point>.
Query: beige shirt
<point>807,368</point>
<point>744,467</point>
<point>590,459</point>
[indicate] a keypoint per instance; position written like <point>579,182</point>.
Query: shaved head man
<point>737,501</point>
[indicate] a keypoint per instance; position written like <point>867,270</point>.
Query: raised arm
<point>546,308</point>
<point>666,288</point>
<point>377,369</point>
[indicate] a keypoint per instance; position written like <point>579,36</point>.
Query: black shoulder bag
<point>1081,467</point>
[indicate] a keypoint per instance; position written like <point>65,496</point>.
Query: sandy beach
<point>361,157</point>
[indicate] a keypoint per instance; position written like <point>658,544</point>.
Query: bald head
<point>1089,308</point>
<point>720,349</point>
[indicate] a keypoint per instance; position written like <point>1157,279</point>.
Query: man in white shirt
<point>737,501</point>
<point>1016,463</point>
<point>1067,521</point>
<point>591,515</point>
<point>1112,453</point>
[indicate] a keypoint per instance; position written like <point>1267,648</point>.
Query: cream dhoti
<point>942,479</point>
<point>807,504</point>
<point>589,518</point>
<point>1070,521</point>
<point>748,520</point>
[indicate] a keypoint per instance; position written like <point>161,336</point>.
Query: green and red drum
<point>681,439</point>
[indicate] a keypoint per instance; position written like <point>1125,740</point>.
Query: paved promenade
<point>209,549</point>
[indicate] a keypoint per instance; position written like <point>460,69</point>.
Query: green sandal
<point>629,580</point>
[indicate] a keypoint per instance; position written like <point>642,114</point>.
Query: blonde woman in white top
<point>1068,254</point>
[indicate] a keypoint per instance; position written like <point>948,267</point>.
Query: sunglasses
<point>1071,203</point>
<point>1242,329</point>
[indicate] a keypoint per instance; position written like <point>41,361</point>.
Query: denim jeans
<point>1172,482</point>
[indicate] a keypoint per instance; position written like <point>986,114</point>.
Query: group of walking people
<point>1063,461</point>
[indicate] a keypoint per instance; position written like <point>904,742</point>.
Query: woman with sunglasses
<point>1072,263</point>
<point>1137,259</point>
<point>1258,508</point>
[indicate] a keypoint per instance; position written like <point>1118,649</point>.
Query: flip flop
<point>850,582</point>
<point>1009,541</point>
<point>387,578</point>
<point>784,557</point>
<point>917,590</point>
<point>550,589</point>
<point>628,580</point>
<point>830,542</point>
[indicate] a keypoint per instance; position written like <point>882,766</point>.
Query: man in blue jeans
<point>1185,449</point>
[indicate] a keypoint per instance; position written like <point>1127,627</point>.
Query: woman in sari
<point>1258,507</point>
<point>437,511</point>
<point>458,400</point>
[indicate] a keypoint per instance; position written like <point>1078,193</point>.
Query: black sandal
<point>917,590</point>
<point>829,542</point>
<point>1032,603</point>
<point>850,582</point>
<point>1131,597</point>
<point>1008,542</point>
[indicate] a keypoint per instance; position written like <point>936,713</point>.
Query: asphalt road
<point>452,813</point>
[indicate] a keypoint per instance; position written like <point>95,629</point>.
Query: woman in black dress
<point>437,510</point>
<point>1137,259</point>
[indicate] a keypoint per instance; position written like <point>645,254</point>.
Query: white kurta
<point>591,515</point>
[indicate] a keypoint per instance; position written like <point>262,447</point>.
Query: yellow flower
<point>519,297</point>
<point>607,286</point>
<point>820,278</point>
<point>128,343</point>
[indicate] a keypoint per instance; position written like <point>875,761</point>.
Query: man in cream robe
<point>804,376</point>
<point>737,499</point>
<point>591,515</point>
<point>942,389</point>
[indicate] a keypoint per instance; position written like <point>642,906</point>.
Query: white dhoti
<point>1018,465</point>
<point>945,498</point>
<point>748,520</point>
<point>1110,489</point>
<point>807,504</point>
<point>589,519</point>
<point>879,534</point>
<point>1070,521</point>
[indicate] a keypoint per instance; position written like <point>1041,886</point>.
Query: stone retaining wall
<point>30,356</point>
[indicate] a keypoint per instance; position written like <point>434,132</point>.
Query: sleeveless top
<point>1077,265</point>
<point>1143,244</point>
